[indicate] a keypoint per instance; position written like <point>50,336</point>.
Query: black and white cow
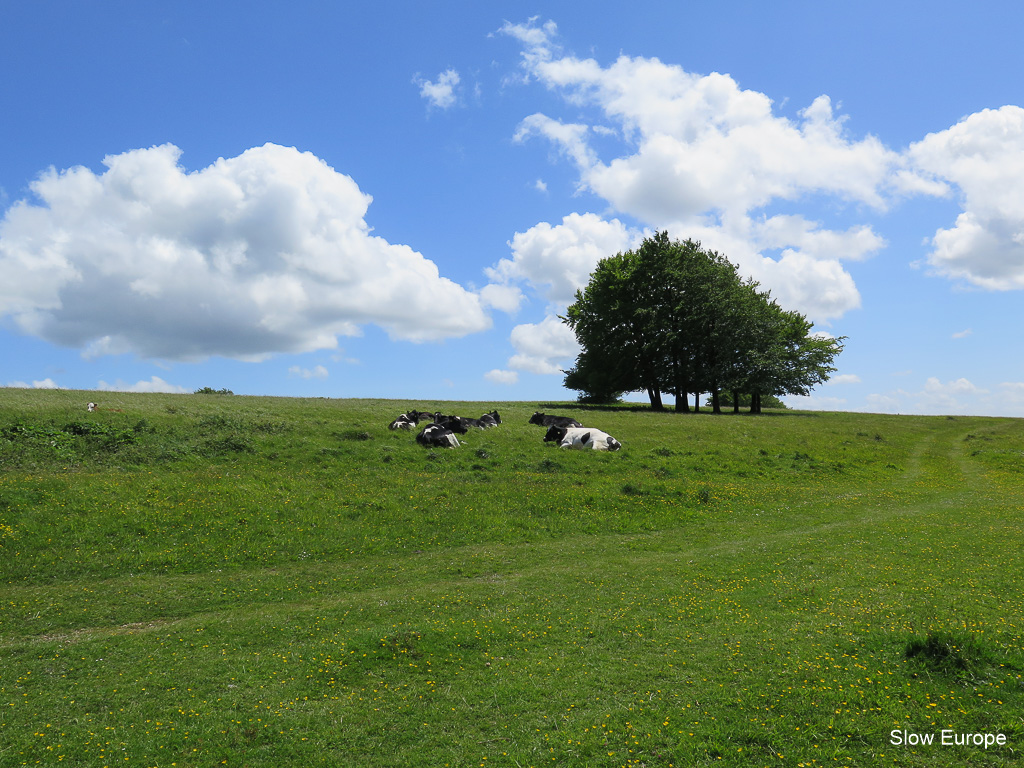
<point>486,421</point>
<point>582,438</point>
<point>454,423</point>
<point>410,419</point>
<point>491,419</point>
<point>402,422</point>
<point>545,420</point>
<point>437,436</point>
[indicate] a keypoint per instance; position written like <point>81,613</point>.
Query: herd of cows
<point>441,430</point>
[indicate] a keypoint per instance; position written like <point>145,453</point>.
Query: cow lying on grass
<point>452,423</point>
<point>462,424</point>
<point>582,438</point>
<point>545,420</point>
<point>410,419</point>
<point>440,433</point>
<point>93,407</point>
<point>437,436</point>
<point>486,421</point>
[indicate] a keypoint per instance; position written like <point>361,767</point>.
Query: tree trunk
<point>655,394</point>
<point>735,401</point>
<point>716,403</point>
<point>682,399</point>
<point>682,402</point>
<point>755,403</point>
<point>696,402</point>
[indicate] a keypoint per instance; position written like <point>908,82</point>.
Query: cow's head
<point>555,434</point>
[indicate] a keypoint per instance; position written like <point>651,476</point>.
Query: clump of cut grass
<point>229,443</point>
<point>956,655</point>
<point>356,434</point>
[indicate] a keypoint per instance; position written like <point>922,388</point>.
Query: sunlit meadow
<point>203,580</point>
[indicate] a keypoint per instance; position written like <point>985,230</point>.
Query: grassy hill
<point>200,580</point>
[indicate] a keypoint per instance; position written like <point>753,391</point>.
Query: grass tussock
<point>957,655</point>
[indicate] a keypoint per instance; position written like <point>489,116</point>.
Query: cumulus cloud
<point>939,397</point>
<point>956,396</point>
<point>155,384</point>
<point>499,376</point>
<point>261,253</point>
<point>41,384</point>
<point>1011,397</point>
<point>571,139</point>
<point>505,297</point>
<point>557,259</point>
<point>547,347</point>
<point>554,261</point>
<point>883,403</point>
<point>844,378</point>
<point>959,386</point>
<point>983,156</point>
<point>702,143</point>
<point>815,403</point>
<point>317,372</point>
<point>701,157</point>
<point>339,356</point>
<point>440,94</point>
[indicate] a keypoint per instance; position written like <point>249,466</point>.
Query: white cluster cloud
<point>317,372</point>
<point>815,403</point>
<point>844,378</point>
<point>440,94</point>
<point>39,384</point>
<point>261,253</point>
<point>983,155</point>
<point>934,397</point>
<point>554,261</point>
<point>545,347</point>
<point>701,157</point>
<point>155,384</point>
<point>498,376</point>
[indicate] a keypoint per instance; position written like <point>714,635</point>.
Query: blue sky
<point>398,199</point>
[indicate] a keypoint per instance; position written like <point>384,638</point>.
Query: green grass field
<point>204,580</point>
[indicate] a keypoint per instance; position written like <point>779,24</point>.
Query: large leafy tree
<point>788,359</point>
<point>673,317</point>
<point>618,337</point>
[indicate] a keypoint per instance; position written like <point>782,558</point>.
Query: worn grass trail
<point>267,583</point>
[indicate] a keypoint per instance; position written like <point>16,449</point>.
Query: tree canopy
<point>672,317</point>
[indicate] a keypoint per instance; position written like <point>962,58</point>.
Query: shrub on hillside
<point>212,391</point>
